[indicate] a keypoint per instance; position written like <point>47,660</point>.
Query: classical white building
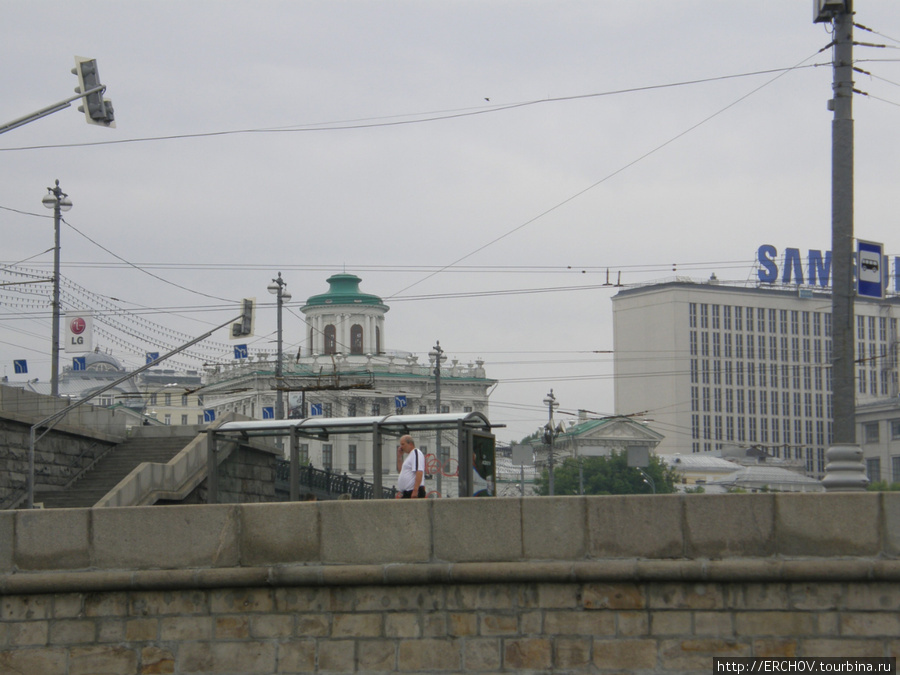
<point>718,366</point>
<point>346,370</point>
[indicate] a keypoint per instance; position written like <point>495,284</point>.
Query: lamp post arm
<point>49,110</point>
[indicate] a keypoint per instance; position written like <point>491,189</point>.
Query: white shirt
<point>414,462</point>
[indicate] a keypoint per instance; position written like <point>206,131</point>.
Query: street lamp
<point>647,479</point>
<point>59,201</point>
<point>549,433</point>
<point>278,287</point>
<point>437,357</point>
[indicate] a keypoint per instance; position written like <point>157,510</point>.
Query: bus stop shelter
<point>472,429</point>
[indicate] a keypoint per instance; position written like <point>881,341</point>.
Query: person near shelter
<point>411,466</point>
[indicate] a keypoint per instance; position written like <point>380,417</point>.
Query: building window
<point>167,420</point>
<point>184,400</point>
<point>200,399</point>
<point>151,400</point>
<point>895,430</point>
<point>873,469</point>
<point>327,456</point>
<point>330,339</point>
<point>304,453</point>
<point>423,409</point>
<point>870,432</point>
<point>184,419</point>
<point>895,469</point>
<point>356,339</point>
<point>445,408</point>
<point>351,458</point>
<point>167,399</point>
<point>351,410</point>
<point>376,409</point>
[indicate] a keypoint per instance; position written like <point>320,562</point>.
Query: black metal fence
<point>327,484</point>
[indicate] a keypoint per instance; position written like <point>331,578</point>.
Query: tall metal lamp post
<point>59,201</point>
<point>278,287</point>
<point>549,433</point>
<point>437,356</point>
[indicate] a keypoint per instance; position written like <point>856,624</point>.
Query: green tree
<point>608,475</point>
<point>883,486</point>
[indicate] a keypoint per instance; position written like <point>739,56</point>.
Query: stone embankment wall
<point>576,585</point>
<point>74,443</point>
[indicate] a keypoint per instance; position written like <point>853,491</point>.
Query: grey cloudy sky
<point>437,150</point>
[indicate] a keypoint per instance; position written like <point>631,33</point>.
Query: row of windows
<point>742,429</point>
<point>356,339</point>
<point>783,321</point>
<point>872,431</point>
<point>791,404</point>
<point>167,419</point>
<point>719,345</point>
<point>153,399</point>
<point>874,473</point>
<point>704,371</point>
<point>353,409</point>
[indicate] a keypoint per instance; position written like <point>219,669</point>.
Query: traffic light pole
<point>49,110</point>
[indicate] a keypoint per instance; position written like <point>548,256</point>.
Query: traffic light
<point>96,109</point>
<point>244,325</point>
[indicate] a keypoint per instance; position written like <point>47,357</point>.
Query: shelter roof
<point>388,424</point>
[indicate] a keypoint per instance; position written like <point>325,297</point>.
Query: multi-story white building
<point>719,366</point>
<point>345,370</point>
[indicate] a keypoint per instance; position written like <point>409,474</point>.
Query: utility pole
<point>278,287</point>
<point>59,201</point>
<point>844,469</point>
<point>549,433</point>
<point>438,355</point>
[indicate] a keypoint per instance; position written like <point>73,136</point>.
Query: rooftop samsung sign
<point>815,268</point>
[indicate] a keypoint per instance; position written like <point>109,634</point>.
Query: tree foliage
<point>608,475</point>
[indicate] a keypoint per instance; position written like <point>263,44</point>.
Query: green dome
<point>344,290</point>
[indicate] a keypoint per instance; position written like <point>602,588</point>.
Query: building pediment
<point>615,431</point>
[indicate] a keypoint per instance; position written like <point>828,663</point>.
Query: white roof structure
<point>769,477</point>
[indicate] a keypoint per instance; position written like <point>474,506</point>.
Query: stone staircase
<point>90,488</point>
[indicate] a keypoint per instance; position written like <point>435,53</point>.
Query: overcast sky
<point>437,149</point>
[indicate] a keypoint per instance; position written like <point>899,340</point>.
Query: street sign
<point>79,363</point>
<point>268,412</point>
<point>240,351</point>
<point>209,415</point>
<point>399,401</point>
<point>20,366</point>
<point>152,356</point>
<point>869,275</point>
<point>315,409</point>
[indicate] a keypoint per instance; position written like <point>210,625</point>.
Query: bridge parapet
<point>578,584</point>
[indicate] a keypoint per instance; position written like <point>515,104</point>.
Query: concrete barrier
<point>634,583</point>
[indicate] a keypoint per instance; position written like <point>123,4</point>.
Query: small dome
<point>101,361</point>
<point>344,290</point>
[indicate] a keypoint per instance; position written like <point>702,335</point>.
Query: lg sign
<point>78,332</point>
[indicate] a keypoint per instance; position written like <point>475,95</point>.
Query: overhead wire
<point>418,118</point>
<point>601,181</point>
